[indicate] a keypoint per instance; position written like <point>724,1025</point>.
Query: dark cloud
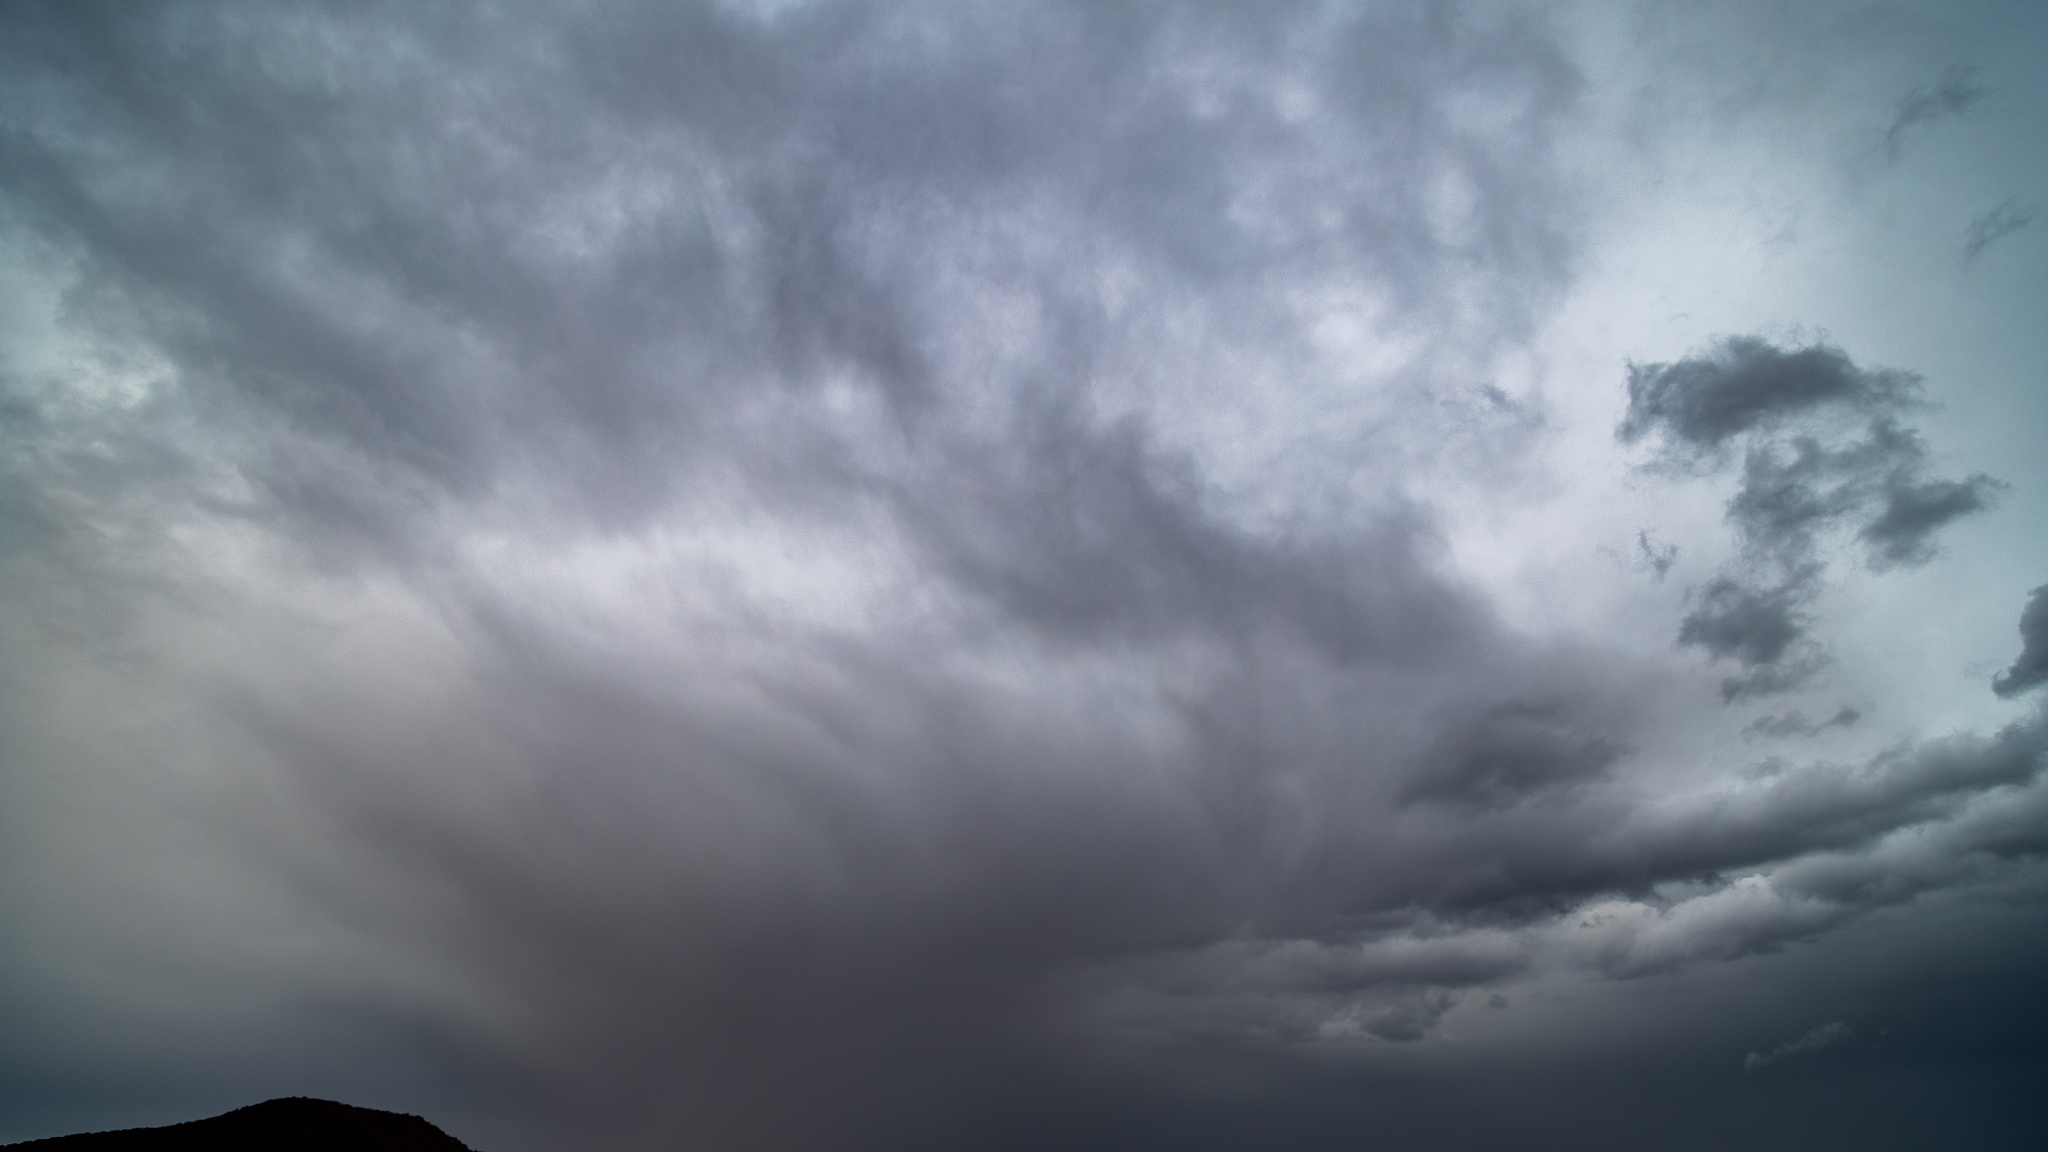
<point>1818,808</point>
<point>1089,533</point>
<point>2030,670</point>
<point>1915,509</point>
<point>1954,94</point>
<point>1752,625</point>
<point>846,575</point>
<point>1791,493</point>
<point>1765,629</point>
<point>909,295</point>
<point>1824,448</point>
<point>1746,382</point>
<point>1513,751</point>
<point>1996,225</point>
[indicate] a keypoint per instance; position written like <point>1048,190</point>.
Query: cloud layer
<point>847,575</point>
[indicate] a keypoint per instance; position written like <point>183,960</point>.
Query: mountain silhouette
<point>291,1124</point>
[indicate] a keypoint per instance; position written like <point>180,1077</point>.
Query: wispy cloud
<point>1953,95</point>
<point>1995,225</point>
<point>1822,1037</point>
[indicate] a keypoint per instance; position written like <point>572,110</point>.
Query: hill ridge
<point>300,1123</point>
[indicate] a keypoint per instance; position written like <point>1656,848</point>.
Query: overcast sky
<point>814,576</point>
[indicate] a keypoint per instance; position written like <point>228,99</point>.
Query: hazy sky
<point>814,576</point>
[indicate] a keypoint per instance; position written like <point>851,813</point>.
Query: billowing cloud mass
<point>854,575</point>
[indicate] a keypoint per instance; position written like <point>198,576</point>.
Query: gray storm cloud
<point>2030,669</point>
<point>878,575</point>
<point>1798,415</point>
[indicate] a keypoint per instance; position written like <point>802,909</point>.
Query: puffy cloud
<point>2030,670</point>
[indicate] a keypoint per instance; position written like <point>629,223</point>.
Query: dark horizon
<point>826,574</point>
